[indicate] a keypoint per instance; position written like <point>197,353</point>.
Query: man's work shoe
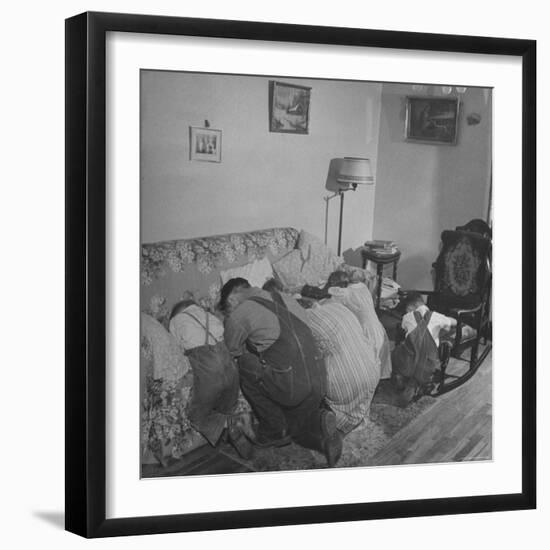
<point>331,437</point>
<point>238,440</point>
<point>332,447</point>
<point>328,423</point>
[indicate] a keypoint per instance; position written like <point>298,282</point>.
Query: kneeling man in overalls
<point>280,372</point>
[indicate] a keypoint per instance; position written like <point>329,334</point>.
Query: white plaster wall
<point>265,179</point>
<point>425,188</point>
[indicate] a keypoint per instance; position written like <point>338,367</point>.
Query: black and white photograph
<point>205,144</point>
<point>314,301</point>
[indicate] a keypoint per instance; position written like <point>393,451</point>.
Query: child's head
<point>180,306</point>
<point>412,301</point>
<point>273,285</point>
<point>358,276</point>
<point>338,278</point>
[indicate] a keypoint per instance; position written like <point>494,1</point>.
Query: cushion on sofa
<point>161,351</point>
<point>320,259</point>
<point>256,272</point>
<point>310,263</point>
<point>289,270</point>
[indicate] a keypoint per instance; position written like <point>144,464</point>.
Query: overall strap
<point>263,302</point>
<point>278,308</point>
<point>278,299</point>
<point>206,328</point>
<point>422,322</point>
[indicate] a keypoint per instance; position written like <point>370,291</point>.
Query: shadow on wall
<point>353,257</point>
<point>417,269</point>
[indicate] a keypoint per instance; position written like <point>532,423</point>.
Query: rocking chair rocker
<point>462,290</point>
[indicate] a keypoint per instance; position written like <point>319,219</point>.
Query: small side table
<point>380,260</point>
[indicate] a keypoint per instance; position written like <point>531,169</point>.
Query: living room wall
<point>264,179</point>
<point>423,189</point>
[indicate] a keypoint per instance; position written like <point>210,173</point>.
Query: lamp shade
<point>348,173</point>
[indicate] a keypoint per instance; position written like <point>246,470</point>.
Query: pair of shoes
<point>332,438</point>
<point>262,440</point>
<point>238,440</point>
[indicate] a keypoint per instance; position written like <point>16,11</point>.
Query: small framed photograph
<point>289,108</point>
<point>205,144</point>
<point>432,120</point>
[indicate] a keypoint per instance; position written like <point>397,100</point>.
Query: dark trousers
<point>215,389</point>
<point>284,400</point>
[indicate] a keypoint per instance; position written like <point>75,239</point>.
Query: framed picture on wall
<point>130,382</point>
<point>205,144</point>
<point>289,108</point>
<point>432,120</point>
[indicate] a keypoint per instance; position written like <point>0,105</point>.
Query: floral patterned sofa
<point>170,270</point>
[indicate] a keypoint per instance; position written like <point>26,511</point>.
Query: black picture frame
<point>432,119</point>
<point>86,273</point>
<point>294,123</point>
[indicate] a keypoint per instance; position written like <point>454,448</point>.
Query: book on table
<point>375,244</point>
<point>381,248</point>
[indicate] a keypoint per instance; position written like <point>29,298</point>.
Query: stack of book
<point>382,248</point>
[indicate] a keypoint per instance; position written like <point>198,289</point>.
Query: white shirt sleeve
<point>408,323</point>
<point>442,321</point>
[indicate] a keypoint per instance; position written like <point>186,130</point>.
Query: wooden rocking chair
<point>462,290</point>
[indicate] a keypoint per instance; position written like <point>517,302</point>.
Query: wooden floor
<point>457,427</point>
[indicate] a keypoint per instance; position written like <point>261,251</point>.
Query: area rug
<point>374,433</point>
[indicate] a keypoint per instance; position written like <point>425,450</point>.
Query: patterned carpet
<point>360,445</point>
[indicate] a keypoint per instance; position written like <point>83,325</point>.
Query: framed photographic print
<point>205,144</point>
<point>432,119</point>
<point>289,108</point>
<point>180,418</point>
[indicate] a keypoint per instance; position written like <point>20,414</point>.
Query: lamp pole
<point>341,193</point>
<point>327,199</point>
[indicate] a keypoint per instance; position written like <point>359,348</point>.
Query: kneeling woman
<point>353,370</point>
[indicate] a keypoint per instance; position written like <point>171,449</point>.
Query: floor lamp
<point>345,174</point>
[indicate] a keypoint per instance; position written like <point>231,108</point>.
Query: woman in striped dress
<point>353,369</point>
<point>358,299</point>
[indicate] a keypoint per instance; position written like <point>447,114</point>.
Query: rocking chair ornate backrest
<point>462,271</point>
